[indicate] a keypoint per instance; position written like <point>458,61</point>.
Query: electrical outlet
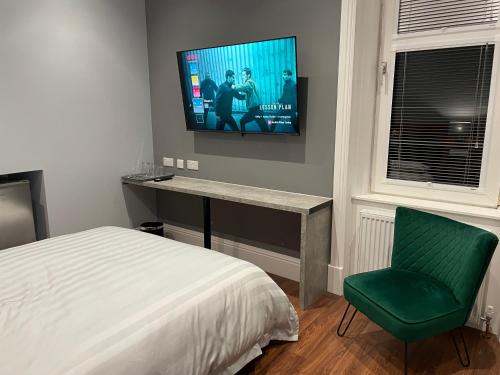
<point>168,162</point>
<point>192,165</point>
<point>490,311</point>
<point>180,163</point>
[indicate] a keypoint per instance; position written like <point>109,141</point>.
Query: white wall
<point>355,110</point>
<point>74,102</point>
<point>354,144</point>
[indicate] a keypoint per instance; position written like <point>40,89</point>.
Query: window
<point>436,107</point>
<point>439,109</point>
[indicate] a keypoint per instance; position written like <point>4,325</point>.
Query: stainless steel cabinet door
<point>16,214</point>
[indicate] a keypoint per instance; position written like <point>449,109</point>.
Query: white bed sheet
<point>118,301</point>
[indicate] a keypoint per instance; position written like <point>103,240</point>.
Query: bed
<point>117,301</point>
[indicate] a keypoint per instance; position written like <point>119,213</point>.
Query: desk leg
<point>207,226</point>
<point>315,239</point>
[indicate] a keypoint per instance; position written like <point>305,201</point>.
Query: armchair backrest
<point>454,253</point>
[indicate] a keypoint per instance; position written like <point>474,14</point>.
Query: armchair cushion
<point>412,306</point>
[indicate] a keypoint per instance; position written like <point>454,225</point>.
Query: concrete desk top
<point>279,200</point>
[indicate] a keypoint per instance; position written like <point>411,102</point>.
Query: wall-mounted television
<point>243,88</point>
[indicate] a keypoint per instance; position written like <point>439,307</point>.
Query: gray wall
<point>301,164</point>
<point>74,102</point>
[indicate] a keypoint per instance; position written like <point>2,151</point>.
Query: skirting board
<point>269,261</point>
<point>335,280</point>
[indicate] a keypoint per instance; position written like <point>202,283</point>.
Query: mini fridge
<point>17,225</point>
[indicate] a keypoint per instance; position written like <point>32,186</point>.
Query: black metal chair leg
<point>339,333</point>
<point>467,362</point>
<point>406,358</point>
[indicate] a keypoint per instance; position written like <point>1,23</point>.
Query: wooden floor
<point>366,348</point>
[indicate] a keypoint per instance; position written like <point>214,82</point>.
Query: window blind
<point>423,15</point>
<point>439,110</point>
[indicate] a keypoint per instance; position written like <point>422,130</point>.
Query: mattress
<point>118,301</point>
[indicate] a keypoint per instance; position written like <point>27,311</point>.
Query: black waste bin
<point>153,227</point>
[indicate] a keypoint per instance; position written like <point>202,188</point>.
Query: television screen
<point>244,88</point>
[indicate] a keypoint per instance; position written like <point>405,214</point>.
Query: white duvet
<point>113,301</point>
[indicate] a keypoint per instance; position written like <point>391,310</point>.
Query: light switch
<point>168,162</point>
<point>192,165</point>
<point>180,163</point>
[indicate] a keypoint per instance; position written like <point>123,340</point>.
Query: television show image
<point>244,88</point>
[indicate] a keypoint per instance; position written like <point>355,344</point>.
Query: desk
<point>315,231</point>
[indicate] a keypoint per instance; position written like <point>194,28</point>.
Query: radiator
<point>374,240</point>
<point>373,251</point>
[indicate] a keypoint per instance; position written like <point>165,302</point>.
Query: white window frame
<point>391,42</point>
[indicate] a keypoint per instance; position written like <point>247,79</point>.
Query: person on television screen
<point>208,89</point>
<point>287,101</point>
<point>224,103</point>
<point>254,113</point>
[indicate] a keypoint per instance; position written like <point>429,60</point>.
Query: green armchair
<point>437,268</point>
